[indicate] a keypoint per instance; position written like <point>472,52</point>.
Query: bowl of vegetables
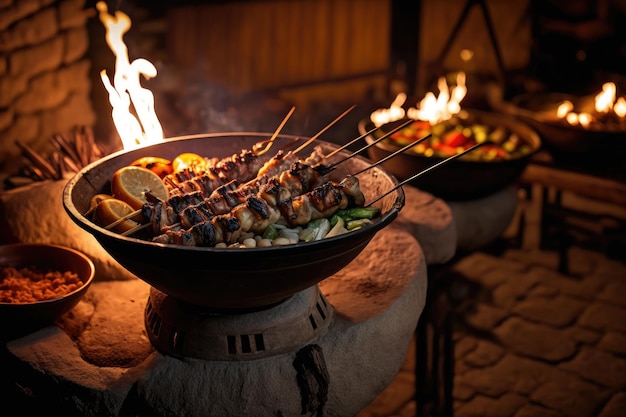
<point>507,147</point>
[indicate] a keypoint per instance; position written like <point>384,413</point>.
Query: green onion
<point>359,213</point>
<point>355,224</point>
<point>337,229</point>
<point>307,235</point>
<point>320,227</point>
<point>271,232</point>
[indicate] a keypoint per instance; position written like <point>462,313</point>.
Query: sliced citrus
<point>131,183</point>
<point>159,166</point>
<point>111,210</point>
<point>190,160</point>
<point>94,202</point>
<point>98,198</point>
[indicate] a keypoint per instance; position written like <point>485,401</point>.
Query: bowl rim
<point>74,252</point>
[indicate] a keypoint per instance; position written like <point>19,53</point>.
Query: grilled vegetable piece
<point>359,213</point>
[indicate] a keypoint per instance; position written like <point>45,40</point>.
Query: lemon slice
<point>193,161</point>
<point>131,183</point>
<point>111,210</point>
<point>160,166</point>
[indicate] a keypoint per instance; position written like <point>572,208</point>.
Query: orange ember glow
<point>431,108</point>
<point>142,127</point>
<point>605,104</point>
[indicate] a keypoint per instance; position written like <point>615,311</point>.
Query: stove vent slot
<point>154,320</point>
<point>260,343</point>
<point>321,308</point>
<point>245,344</point>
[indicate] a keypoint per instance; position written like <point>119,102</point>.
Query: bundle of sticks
<point>69,156</point>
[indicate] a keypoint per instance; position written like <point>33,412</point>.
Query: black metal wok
<point>230,279</point>
<point>593,146</point>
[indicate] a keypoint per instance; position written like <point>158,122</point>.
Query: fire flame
<point>605,103</point>
<point>433,109</point>
<point>394,112</point>
<point>145,128</point>
<point>605,99</point>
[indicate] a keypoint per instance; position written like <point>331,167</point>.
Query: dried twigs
<point>69,156</point>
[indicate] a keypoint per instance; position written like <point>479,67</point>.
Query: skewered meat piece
<point>192,208</point>
<point>242,170</point>
<point>243,165</point>
<point>171,209</point>
<point>257,214</point>
<point>322,201</point>
<point>281,161</point>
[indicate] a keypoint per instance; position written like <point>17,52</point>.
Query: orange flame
<point>605,102</point>
<point>394,112</point>
<point>433,109</point>
<point>126,89</point>
<point>620,107</point>
<point>605,99</point>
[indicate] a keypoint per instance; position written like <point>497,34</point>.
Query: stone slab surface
<point>555,349</point>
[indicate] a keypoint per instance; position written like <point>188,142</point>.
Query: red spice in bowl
<point>30,285</point>
<point>40,283</point>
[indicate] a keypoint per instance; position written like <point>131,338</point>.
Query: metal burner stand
<point>178,329</point>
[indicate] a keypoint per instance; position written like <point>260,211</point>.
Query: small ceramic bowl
<point>16,316</point>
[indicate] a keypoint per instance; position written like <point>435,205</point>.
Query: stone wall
<point>44,75</point>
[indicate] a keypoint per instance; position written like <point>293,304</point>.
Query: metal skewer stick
<point>256,146</point>
<point>404,148</point>
<point>385,136</point>
<point>136,229</point>
<point>391,155</point>
<point>270,141</point>
<point>364,135</point>
<point>305,144</point>
<point>91,210</point>
<point>122,219</point>
<point>430,168</point>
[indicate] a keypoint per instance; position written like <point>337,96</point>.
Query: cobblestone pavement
<point>530,341</point>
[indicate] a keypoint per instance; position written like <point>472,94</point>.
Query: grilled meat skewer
<point>257,214</point>
<point>243,167</point>
<point>192,208</point>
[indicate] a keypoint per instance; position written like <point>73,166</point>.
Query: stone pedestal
<point>479,222</point>
<point>97,359</point>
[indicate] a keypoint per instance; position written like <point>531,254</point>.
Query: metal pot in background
<point>461,179</point>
